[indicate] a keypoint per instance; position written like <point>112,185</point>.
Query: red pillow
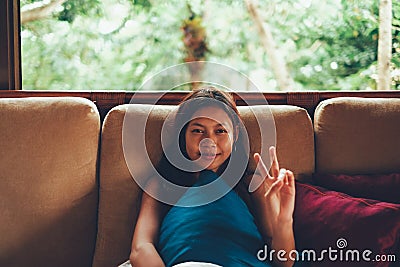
<point>329,220</point>
<point>383,187</point>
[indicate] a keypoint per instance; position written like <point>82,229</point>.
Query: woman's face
<point>209,137</point>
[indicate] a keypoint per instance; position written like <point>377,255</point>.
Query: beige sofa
<point>67,196</point>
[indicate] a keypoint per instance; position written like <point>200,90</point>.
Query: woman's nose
<point>207,142</point>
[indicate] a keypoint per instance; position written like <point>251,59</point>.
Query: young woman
<point>225,225</point>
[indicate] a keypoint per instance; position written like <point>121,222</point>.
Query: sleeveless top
<point>222,232</point>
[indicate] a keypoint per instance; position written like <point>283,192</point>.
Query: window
<point>117,45</point>
<point>124,43</point>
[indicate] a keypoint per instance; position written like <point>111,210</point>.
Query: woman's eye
<point>197,131</point>
<point>221,131</point>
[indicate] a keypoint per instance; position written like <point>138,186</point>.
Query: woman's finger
<point>258,180</point>
<point>261,168</point>
<point>291,179</point>
<point>277,185</point>
<point>274,161</point>
<point>255,182</point>
<point>286,178</point>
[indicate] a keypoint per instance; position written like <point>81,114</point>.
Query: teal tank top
<point>222,232</point>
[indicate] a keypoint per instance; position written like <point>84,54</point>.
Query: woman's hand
<point>274,204</point>
<point>279,193</point>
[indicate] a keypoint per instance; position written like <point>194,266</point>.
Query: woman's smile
<point>208,156</point>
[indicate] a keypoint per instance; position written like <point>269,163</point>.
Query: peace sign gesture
<point>278,192</point>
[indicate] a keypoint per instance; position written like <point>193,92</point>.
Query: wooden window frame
<point>10,63</point>
<point>11,78</point>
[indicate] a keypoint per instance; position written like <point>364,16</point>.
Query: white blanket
<point>184,264</point>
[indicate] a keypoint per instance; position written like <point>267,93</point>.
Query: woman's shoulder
<point>153,184</point>
<point>163,190</point>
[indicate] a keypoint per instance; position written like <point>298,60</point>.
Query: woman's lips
<point>209,157</point>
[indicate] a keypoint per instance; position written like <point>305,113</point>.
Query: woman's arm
<point>276,232</point>
<point>273,206</point>
<point>143,251</point>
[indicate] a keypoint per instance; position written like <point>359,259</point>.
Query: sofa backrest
<point>48,188</point>
<point>119,193</point>
<point>357,135</point>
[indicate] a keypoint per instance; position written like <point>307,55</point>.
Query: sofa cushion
<point>48,189</point>
<point>293,128</point>
<point>326,219</point>
<point>357,135</point>
<point>120,194</point>
<point>383,187</point>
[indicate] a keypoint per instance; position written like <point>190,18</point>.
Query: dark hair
<point>200,98</point>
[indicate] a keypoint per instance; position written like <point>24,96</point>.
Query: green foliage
<point>345,44</point>
<point>119,44</point>
<point>26,2</point>
<point>73,8</point>
<point>142,3</point>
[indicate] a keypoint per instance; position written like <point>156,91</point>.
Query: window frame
<point>11,79</point>
<point>10,63</point>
